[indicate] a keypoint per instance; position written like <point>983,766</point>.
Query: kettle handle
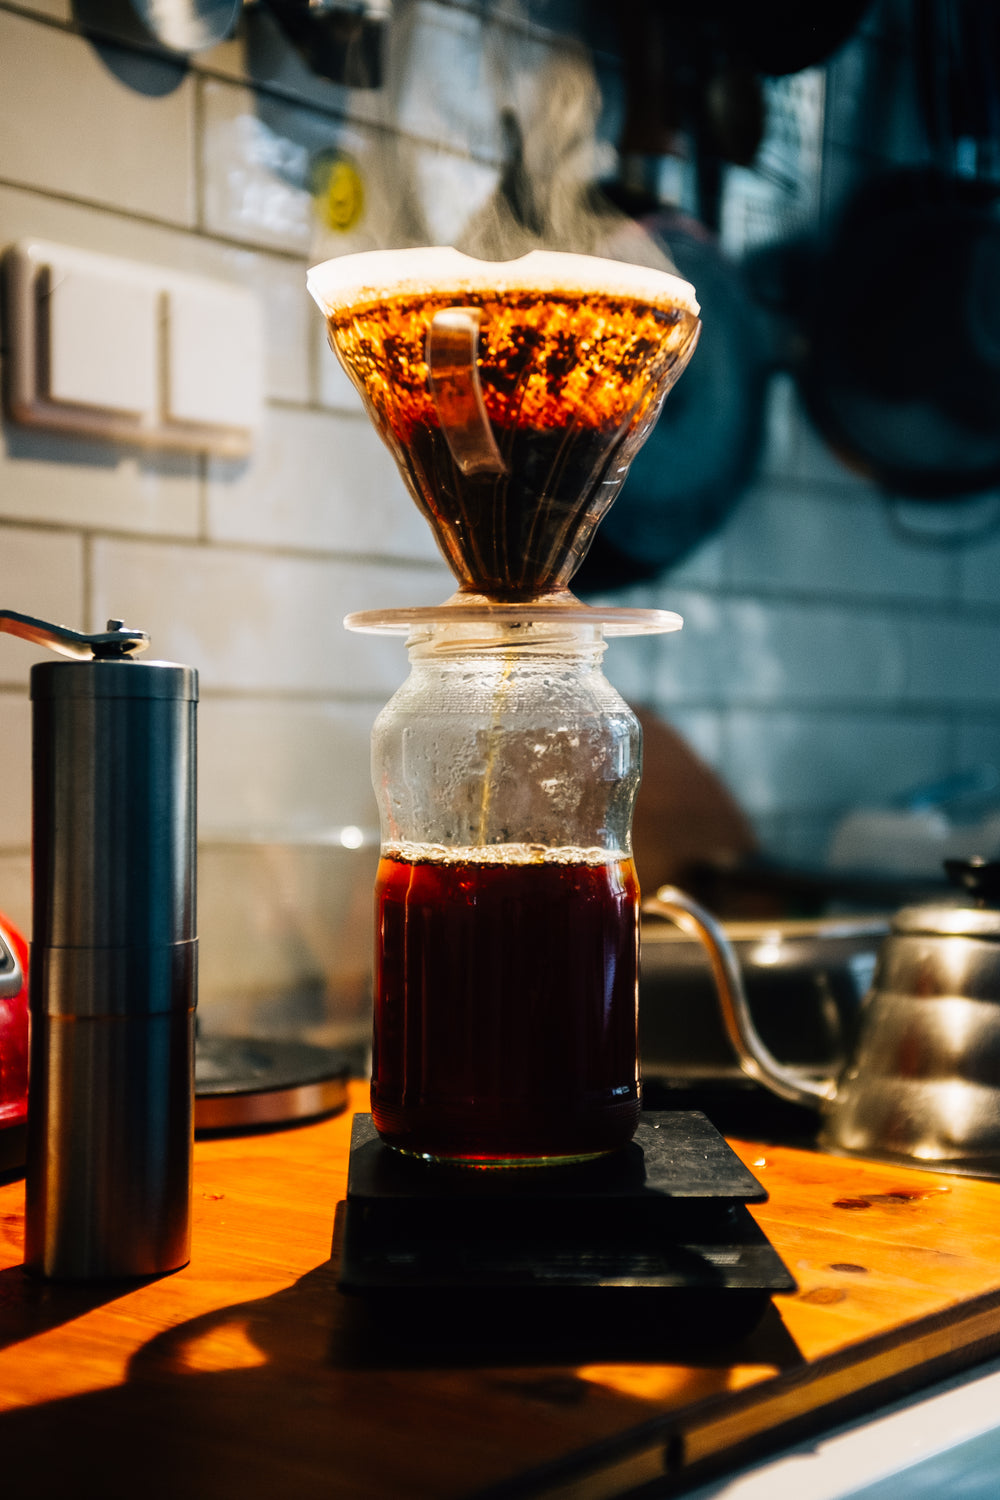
<point>755,1059</point>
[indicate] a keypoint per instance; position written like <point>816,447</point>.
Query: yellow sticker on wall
<point>338,193</point>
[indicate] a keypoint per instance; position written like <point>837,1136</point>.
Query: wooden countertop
<point>248,1375</point>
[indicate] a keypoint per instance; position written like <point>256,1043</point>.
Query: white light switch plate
<point>101,336</point>
<point>214,357</point>
<point>132,353</point>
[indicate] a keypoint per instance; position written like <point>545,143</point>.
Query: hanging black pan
<point>699,458</point>
<point>702,453</point>
<point>776,37</point>
<point>692,76</point>
<point>901,346</point>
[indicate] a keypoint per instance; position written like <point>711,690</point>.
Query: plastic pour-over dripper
<point>513,396</point>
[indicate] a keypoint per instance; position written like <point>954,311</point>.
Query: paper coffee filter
<point>354,280</point>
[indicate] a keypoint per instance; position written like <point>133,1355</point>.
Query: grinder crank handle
<point>117,641</point>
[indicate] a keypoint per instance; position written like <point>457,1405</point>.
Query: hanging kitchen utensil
<point>188,26</point>
<point>901,367</point>
<point>182,27</point>
<point>777,37</point>
<point>702,453</point>
<point>701,456</point>
<point>900,364</point>
<point>774,37</point>
<point>343,40</point>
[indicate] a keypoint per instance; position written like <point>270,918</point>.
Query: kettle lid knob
<point>978,875</point>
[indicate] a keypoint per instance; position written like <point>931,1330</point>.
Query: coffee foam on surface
<point>356,280</point>
<point>500,854</point>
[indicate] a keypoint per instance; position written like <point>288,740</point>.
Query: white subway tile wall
<point>298,768</point>
<point>255,167</point>
<point>249,620</point>
<point>15,885</point>
<point>15,769</point>
<point>784,760</point>
<point>111,126</point>
<point>829,541</point>
<point>336,391</point>
<point>830,657</point>
<point>43,575</point>
<point>979,579</point>
<point>92,485</point>
<point>441,96</point>
<point>319,481</point>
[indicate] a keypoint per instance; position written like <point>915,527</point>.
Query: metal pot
<point>923,1081</point>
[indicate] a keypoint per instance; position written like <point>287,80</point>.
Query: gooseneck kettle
<point>922,1083</point>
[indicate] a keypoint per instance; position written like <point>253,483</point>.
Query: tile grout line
<point>87,560</point>
<point>916,609</point>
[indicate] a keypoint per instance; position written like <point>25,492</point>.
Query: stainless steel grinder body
<point>113,976</point>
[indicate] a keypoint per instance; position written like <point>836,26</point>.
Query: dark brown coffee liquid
<point>505,1006</point>
<point>569,383</point>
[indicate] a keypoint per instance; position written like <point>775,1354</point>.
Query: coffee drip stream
<point>513,396</point>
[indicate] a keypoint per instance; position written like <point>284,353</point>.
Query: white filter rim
<point>348,280</point>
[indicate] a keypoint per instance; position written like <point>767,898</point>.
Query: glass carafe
<point>506,768</point>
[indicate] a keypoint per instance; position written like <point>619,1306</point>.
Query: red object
<point>505,1009</point>
<point>14,1037</point>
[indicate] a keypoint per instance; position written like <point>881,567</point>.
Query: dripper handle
<point>452,351</point>
<point>756,1060</point>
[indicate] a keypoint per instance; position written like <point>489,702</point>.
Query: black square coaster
<point>667,1213</point>
<point>674,1154</point>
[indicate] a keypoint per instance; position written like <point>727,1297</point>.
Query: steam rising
<point>545,198</point>
<point>541,197</point>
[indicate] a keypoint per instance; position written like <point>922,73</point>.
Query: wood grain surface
<point>248,1375</point>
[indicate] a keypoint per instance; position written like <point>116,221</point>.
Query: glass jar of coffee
<point>506,769</point>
